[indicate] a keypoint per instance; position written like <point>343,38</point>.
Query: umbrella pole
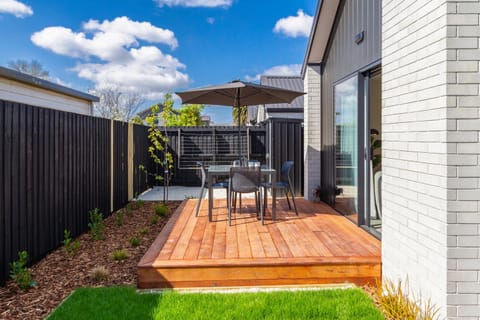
<point>236,104</point>
<point>239,137</point>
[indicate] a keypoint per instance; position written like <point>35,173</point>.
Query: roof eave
<point>320,33</point>
<point>44,84</point>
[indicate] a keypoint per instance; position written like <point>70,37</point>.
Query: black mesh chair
<point>284,184</point>
<point>244,180</point>
<point>205,186</point>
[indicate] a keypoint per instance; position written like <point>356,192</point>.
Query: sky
<point>156,46</point>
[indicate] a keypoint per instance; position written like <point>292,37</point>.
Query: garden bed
<point>58,274</point>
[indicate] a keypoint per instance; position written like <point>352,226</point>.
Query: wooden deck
<point>317,247</point>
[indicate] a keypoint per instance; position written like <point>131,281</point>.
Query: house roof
<point>320,34</point>
<point>44,84</point>
<point>284,82</point>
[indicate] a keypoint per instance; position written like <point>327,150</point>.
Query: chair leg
<point>293,198</point>
<point>265,199</point>
<point>200,197</point>
<point>229,205</point>
<point>259,205</point>
<point>288,200</point>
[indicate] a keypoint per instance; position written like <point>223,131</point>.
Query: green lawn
<point>125,303</point>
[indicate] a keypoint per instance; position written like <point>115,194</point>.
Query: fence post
<point>130,163</point>
<point>112,162</point>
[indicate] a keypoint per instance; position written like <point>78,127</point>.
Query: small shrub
<point>397,302</point>
<point>119,254</point>
<point>134,241</point>
<point>96,225</point>
<point>139,203</point>
<point>20,273</point>
<point>129,209</point>
<point>99,274</point>
<point>154,219</point>
<point>144,231</point>
<point>119,218</point>
<point>71,247</point>
<point>161,210</point>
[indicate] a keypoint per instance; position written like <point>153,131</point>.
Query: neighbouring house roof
<point>144,113</point>
<point>285,82</point>
<point>322,27</point>
<point>45,84</point>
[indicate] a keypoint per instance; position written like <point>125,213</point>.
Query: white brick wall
<point>463,299</point>
<point>414,147</point>
<point>312,130</point>
<point>431,124</point>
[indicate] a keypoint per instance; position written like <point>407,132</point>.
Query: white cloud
<point>281,70</point>
<point>111,54</point>
<point>17,8</point>
<point>295,26</point>
<point>194,3</point>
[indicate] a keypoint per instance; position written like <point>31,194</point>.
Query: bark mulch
<point>57,275</point>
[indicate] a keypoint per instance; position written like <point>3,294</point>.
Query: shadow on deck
<point>317,247</point>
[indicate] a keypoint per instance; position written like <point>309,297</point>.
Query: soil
<point>58,274</point>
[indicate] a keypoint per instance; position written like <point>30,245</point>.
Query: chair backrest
<point>204,174</point>
<point>285,171</point>
<point>236,163</point>
<point>245,179</point>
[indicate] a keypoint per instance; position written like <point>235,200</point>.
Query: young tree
<point>33,68</point>
<point>187,116</point>
<point>117,105</point>
<point>239,112</point>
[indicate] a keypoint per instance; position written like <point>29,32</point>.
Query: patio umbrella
<point>238,93</point>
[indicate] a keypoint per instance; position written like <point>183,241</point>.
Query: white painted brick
<point>462,183</point>
<point>461,159</point>
<point>461,229</point>
<point>468,31</point>
<point>468,241</point>
<point>471,136</point>
<point>469,217</point>
<point>471,311</point>
<point>463,299</point>
<point>459,253</point>
<point>462,206</point>
<point>465,171</point>
<point>468,124</point>
<point>466,101</point>
<point>462,276</point>
<point>462,43</point>
<point>468,264</point>
<point>473,7</point>
<point>468,195</point>
<point>470,287</point>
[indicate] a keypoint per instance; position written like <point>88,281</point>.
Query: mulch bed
<point>57,275</point>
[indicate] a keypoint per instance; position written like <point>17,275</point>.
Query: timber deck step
<point>317,247</point>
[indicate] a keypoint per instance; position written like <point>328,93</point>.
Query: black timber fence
<point>55,166</point>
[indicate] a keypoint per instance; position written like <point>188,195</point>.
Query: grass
<point>125,303</point>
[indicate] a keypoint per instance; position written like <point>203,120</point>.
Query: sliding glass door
<point>346,147</point>
<point>358,169</point>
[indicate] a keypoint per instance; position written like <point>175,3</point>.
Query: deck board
<point>318,246</point>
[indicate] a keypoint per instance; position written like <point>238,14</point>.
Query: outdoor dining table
<point>224,170</point>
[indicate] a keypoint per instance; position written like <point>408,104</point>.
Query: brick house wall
<point>312,129</point>
<point>430,86</point>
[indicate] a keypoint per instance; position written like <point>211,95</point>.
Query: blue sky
<point>157,46</point>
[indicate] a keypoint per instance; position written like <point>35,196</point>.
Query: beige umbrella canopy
<point>236,94</point>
